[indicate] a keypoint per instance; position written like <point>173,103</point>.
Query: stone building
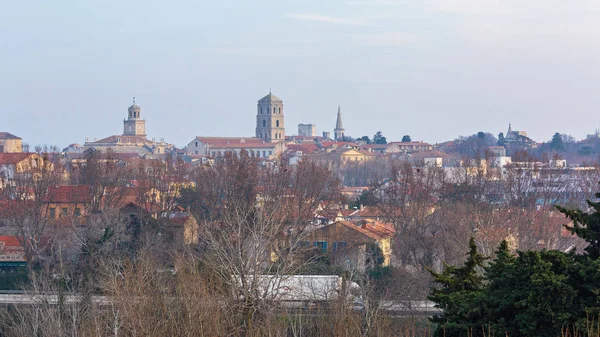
<point>270,119</point>
<point>133,139</point>
<point>10,143</point>
<point>134,125</point>
<point>307,130</point>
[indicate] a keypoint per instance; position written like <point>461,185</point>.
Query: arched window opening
<point>277,123</point>
<point>264,123</point>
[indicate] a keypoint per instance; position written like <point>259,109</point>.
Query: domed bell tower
<point>134,125</point>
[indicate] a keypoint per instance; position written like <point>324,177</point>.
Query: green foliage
<point>459,294</point>
<point>365,139</point>
<point>557,142</point>
<point>532,293</point>
<point>501,141</point>
<point>586,226</point>
<point>378,138</point>
<point>406,139</point>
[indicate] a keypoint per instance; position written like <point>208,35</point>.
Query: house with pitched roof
<point>67,202</point>
<point>13,164</point>
<point>219,146</point>
<point>10,143</point>
<point>346,242</point>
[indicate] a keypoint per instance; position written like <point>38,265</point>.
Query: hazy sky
<point>434,69</point>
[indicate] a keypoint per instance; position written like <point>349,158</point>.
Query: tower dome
<point>134,110</point>
<point>134,124</point>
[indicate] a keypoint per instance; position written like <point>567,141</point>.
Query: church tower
<point>269,119</point>
<point>134,125</point>
<point>338,132</point>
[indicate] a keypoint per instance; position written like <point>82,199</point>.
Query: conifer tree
<point>586,226</point>
<point>460,296</point>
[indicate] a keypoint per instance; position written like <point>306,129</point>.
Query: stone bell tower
<point>269,119</point>
<point>134,125</point>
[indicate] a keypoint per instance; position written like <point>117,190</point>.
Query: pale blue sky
<point>433,69</point>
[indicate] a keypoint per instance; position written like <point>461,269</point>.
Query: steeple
<point>338,132</point>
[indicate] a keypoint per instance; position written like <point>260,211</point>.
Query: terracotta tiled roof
<point>305,148</point>
<point>13,158</point>
<point>243,145</point>
<point>339,144</point>
<point>122,139</point>
<point>10,241</point>
<point>78,194</point>
<point>374,146</point>
<point>410,143</point>
<point>218,141</point>
<point>369,230</point>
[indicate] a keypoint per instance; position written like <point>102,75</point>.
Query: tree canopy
<point>378,138</point>
<point>532,293</point>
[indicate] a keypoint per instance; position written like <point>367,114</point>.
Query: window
<point>274,108</point>
<point>322,245</point>
<point>52,213</point>
<point>280,111</point>
<point>270,153</point>
<point>264,154</point>
<point>196,144</point>
<point>264,123</point>
<point>64,212</point>
<point>77,212</point>
<point>277,123</point>
<point>339,245</point>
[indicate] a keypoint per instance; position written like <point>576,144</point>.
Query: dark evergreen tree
<point>365,139</point>
<point>460,295</point>
<point>501,141</point>
<point>378,138</point>
<point>557,143</point>
<point>586,226</point>
<point>406,139</point>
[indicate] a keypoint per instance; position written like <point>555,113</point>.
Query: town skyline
<point>292,130</point>
<point>467,66</point>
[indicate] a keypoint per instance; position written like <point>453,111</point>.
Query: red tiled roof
<point>305,148</point>
<point>220,141</point>
<point>13,158</point>
<point>77,194</point>
<point>370,230</point>
<point>410,143</point>
<point>339,144</point>
<point>122,139</point>
<point>243,145</point>
<point>374,146</point>
<point>10,241</point>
